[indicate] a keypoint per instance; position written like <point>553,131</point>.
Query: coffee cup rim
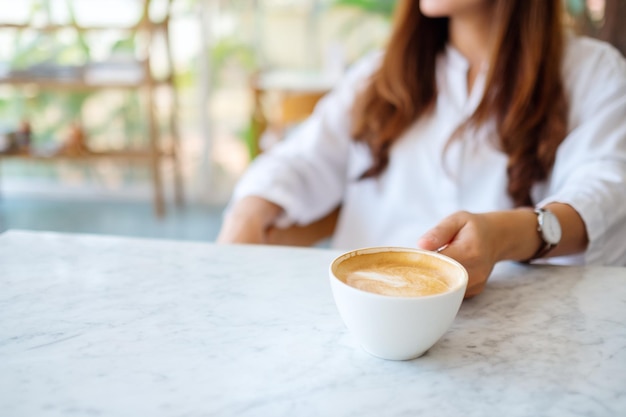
<point>463,281</point>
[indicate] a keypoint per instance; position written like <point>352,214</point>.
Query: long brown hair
<point>524,93</point>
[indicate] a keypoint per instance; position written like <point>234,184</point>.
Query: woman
<point>479,112</point>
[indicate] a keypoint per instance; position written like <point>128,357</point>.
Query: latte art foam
<point>398,281</point>
<point>394,274</point>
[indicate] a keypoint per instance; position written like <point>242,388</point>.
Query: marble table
<point>108,326</point>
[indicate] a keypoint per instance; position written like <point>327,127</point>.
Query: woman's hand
<point>471,240</point>
<point>479,241</point>
<point>249,221</point>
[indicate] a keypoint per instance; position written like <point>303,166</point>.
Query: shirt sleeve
<point>590,168</point>
<point>305,174</point>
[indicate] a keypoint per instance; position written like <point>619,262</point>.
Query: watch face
<point>550,228</point>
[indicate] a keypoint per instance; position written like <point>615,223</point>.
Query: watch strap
<point>542,251</point>
<point>545,247</point>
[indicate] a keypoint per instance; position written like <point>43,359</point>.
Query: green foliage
<point>249,135</point>
<point>575,7</point>
<point>229,52</point>
<point>81,43</point>
<point>384,8</point>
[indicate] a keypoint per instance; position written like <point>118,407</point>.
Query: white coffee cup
<point>397,327</point>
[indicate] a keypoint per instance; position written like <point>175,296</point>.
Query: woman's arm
<point>252,219</point>
<point>479,241</point>
<point>248,221</point>
<point>304,176</point>
<point>586,189</point>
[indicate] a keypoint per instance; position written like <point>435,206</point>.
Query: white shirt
<point>318,166</point>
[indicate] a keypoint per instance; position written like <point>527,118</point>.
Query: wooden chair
<point>296,97</point>
<point>281,100</point>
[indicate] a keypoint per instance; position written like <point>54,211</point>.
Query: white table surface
<point>108,326</point>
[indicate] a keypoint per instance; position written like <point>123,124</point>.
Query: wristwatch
<point>549,230</point>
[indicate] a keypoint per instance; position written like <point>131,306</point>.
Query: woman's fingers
<point>465,237</point>
<point>442,234</point>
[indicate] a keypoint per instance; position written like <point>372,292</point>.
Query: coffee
<point>401,274</point>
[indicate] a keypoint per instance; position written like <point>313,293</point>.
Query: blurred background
<point>137,117</point>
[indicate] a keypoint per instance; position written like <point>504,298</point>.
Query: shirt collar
<point>455,59</point>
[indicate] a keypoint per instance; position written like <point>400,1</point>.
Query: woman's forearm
<point>479,241</point>
<point>248,221</point>
<point>520,239</point>
<point>574,239</point>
